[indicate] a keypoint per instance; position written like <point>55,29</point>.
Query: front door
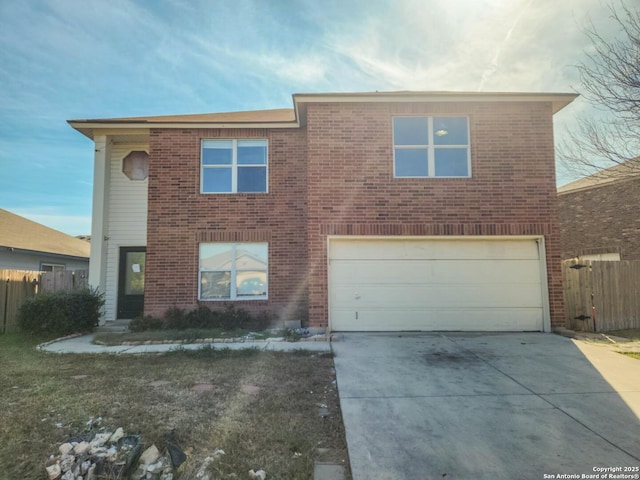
<point>131,282</point>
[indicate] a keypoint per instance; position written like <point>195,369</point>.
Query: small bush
<point>61,313</point>
<point>175,319</point>
<point>233,318</point>
<point>142,324</point>
<point>229,318</point>
<point>202,317</point>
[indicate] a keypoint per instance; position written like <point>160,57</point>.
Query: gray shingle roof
<point>21,233</point>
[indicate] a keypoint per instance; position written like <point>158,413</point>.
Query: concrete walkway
<point>82,344</point>
<point>486,406</point>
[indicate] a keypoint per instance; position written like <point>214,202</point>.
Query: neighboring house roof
<point>296,117</point>
<point>616,174</point>
<point>22,234</point>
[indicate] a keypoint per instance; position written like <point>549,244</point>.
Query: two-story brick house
<point>353,211</point>
<point>599,217</point>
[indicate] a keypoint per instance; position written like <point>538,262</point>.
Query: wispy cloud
<point>62,59</point>
<point>495,62</point>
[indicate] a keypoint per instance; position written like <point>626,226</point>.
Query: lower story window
<point>233,271</point>
<point>51,267</point>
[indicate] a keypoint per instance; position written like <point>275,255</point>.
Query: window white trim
<point>234,164</point>
<point>431,147</point>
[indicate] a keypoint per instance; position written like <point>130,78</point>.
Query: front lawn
<point>266,410</point>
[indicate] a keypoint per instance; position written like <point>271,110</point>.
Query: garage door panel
<point>354,272</point>
<point>415,249</point>
<point>424,296</point>
<point>435,284</point>
<point>490,319</point>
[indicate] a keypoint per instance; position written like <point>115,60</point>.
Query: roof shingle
<point>21,233</point>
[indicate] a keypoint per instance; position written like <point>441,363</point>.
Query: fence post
<point>6,306</point>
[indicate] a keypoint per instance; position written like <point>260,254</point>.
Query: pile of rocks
<point>112,455</point>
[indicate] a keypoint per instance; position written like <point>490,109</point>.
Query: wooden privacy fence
<point>602,296</point>
<point>16,286</point>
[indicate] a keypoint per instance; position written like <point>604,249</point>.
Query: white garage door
<point>436,284</point>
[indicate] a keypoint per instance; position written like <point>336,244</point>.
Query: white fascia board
<point>92,129</point>
<point>558,100</point>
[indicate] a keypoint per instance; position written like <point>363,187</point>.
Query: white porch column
<point>100,213</point>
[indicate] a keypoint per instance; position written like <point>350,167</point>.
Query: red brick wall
<point>351,189</point>
<point>180,217</point>
<point>336,177</point>
<point>601,220</point>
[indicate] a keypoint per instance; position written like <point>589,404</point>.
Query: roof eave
<point>43,253</point>
<point>568,188</point>
<point>558,100</point>
<point>87,127</point>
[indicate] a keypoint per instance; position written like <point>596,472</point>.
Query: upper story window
<point>431,147</point>
<point>234,166</point>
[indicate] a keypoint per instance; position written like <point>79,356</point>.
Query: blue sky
<point>74,59</point>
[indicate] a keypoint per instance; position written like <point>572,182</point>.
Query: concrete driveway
<point>487,406</point>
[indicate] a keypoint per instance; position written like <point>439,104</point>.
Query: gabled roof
<point>22,234</point>
<point>296,116</point>
<point>616,174</point>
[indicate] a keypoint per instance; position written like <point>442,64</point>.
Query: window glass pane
<point>410,131</point>
<point>251,256</point>
<point>217,152</point>
<point>215,285</point>
<point>450,131</point>
<point>251,283</point>
<point>216,256</point>
<point>411,162</point>
<point>216,180</point>
<point>252,152</point>
<point>134,273</point>
<point>252,179</point>
<point>451,162</point>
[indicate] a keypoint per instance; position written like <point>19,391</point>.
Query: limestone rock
<point>91,472</point>
<point>81,448</point>
<point>156,467</point>
<point>66,462</point>
<point>117,435</point>
<point>54,471</point>
<point>150,455</point>
<point>85,467</point>
<point>202,471</point>
<point>68,476</point>
<point>100,439</point>
<point>65,448</point>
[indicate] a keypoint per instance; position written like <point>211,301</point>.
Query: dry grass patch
<point>262,408</point>
<point>631,333</point>
<point>635,355</point>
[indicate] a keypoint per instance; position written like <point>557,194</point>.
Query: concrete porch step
<point>114,326</point>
